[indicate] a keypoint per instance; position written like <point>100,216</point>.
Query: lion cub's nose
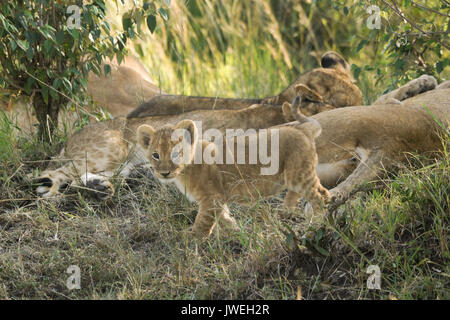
<point>165,174</point>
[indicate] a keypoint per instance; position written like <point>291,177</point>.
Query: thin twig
<point>430,9</point>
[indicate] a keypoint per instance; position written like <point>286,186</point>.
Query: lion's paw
<point>48,188</point>
<point>422,84</point>
<point>99,185</point>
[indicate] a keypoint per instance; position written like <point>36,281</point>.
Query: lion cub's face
<point>169,148</point>
<point>310,103</point>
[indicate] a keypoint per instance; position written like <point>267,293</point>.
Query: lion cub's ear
<point>287,112</point>
<point>144,135</point>
<point>190,135</point>
<point>332,60</point>
<point>306,92</point>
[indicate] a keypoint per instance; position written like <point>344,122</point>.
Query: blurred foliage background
<point>255,48</point>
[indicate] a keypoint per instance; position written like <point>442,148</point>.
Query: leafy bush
<point>49,47</point>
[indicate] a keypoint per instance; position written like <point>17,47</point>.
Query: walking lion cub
<point>213,174</point>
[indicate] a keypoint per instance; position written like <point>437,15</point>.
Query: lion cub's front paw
<point>191,233</point>
<point>198,233</point>
<point>98,185</point>
<point>44,189</point>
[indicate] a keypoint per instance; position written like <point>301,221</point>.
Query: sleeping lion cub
<point>213,174</point>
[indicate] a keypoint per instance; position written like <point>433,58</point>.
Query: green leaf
<point>67,84</point>
<point>440,65</point>
<point>22,45</point>
<point>122,41</point>
<point>30,53</point>
<point>54,94</point>
<point>107,69</point>
<point>151,22</point>
<point>56,83</point>
<point>28,85</point>
<point>60,37</point>
<point>126,23</point>
<point>48,46</point>
<point>163,13</point>
<point>356,71</point>
<point>399,64</point>
<point>321,250</point>
<point>44,93</point>
<point>83,83</point>
<point>12,45</point>
<point>361,45</point>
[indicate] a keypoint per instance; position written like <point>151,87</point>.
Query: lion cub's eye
<point>155,156</point>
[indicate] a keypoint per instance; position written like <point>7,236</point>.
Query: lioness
<point>377,136</point>
<point>213,184</point>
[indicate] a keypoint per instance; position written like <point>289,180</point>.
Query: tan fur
<point>214,185</point>
<point>84,147</point>
<point>117,138</point>
<point>422,84</point>
<point>126,87</point>
<point>379,135</point>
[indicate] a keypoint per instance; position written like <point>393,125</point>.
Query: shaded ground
<point>133,246</point>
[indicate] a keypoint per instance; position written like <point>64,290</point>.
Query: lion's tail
<point>307,124</point>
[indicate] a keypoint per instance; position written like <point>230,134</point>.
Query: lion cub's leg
<point>86,164</point>
<point>53,181</point>
<point>209,210</point>
<point>308,187</point>
<point>414,87</point>
<point>291,200</point>
<point>98,184</point>
<point>226,221</point>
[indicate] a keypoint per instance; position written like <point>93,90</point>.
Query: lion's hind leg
<point>367,170</point>
<point>51,183</point>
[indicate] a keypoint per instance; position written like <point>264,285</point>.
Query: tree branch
<point>395,8</point>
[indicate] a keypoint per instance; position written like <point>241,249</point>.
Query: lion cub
<point>212,173</point>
